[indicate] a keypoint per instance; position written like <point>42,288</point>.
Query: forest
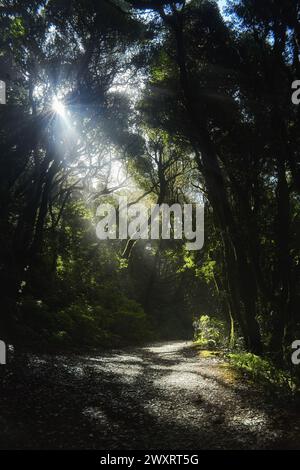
<point>161,102</point>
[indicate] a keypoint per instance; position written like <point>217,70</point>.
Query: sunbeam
<point>58,107</point>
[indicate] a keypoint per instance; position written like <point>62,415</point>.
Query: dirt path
<point>164,396</point>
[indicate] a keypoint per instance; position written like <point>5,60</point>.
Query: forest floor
<point>164,396</point>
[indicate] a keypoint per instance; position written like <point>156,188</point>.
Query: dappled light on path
<point>196,400</point>
<point>163,396</point>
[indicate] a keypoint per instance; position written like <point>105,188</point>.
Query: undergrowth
<point>262,370</point>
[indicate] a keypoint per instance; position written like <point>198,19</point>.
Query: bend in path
<point>163,396</point>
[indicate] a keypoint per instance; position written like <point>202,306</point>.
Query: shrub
<point>97,326</point>
<point>209,332</point>
<point>263,371</point>
<point>112,320</point>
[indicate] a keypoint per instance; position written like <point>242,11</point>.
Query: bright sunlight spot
<point>58,107</point>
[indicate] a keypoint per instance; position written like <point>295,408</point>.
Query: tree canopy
<point>161,102</point>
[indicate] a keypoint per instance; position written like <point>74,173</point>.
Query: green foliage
<point>85,325</point>
<point>209,332</point>
<point>118,321</point>
<point>17,28</point>
<point>263,371</point>
<point>207,270</point>
<point>214,120</point>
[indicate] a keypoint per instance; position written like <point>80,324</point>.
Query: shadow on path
<point>163,396</point>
